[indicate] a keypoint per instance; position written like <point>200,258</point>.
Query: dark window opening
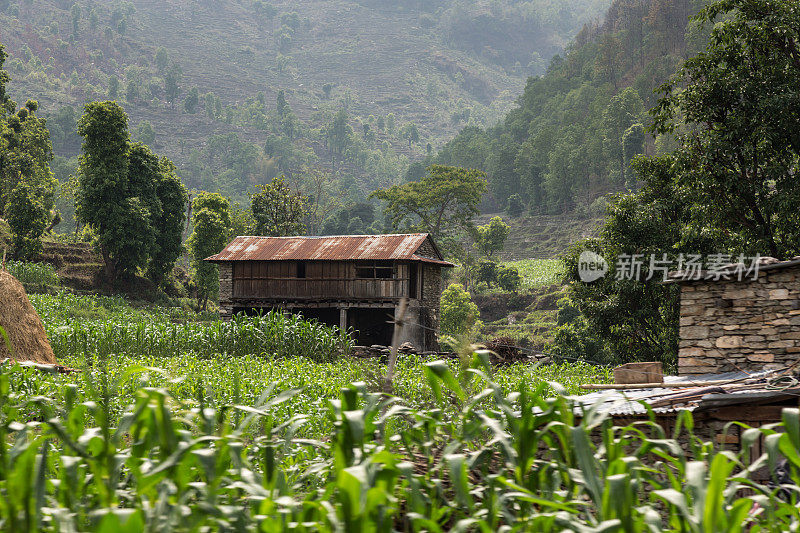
<point>375,270</point>
<point>384,273</point>
<point>301,270</point>
<point>412,281</point>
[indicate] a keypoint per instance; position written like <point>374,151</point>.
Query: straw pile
<point>22,325</point>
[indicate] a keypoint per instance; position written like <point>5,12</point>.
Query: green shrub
<point>508,278</point>
<point>573,341</point>
<point>486,273</point>
<point>515,206</point>
<point>459,315</point>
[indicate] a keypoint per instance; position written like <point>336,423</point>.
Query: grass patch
<point>537,273</point>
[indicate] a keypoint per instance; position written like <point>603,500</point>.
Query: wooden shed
<point>351,281</point>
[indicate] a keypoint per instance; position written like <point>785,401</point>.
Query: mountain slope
<point>407,74</point>
<point>573,132</point>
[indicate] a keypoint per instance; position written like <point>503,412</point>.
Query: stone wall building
<point>738,360</point>
<point>355,282</point>
<point>750,325</point>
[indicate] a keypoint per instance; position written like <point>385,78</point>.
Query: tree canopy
<point>211,220</point>
<point>27,185</point>
<point>736,119</point>
<point>25,152</point>
<point>729,187</point>
<point>169,223</point>
<point>278,211</point>
<point>4,79</point>
<point>491,238</point>
<point>28,217</point>
<point>444,200</point>
<point>569,139</point>
<point>129,197</point>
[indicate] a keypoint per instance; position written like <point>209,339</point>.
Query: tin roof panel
<point>631,402</point>
<point>325,248</point>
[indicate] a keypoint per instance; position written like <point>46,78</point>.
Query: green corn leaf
<point>439,372</point>
<point>678,500</point>
<point>587,463</point>
<point>457,466</point>
<point>714,493</point>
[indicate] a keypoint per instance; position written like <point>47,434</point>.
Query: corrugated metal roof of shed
<point>326,248</point>
<point>628,402</point>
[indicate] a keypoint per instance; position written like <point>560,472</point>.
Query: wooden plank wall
<point>324,280</point>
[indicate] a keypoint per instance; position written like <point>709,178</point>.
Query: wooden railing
<point>327,288</point>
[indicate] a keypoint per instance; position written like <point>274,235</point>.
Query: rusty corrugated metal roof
<point>326,248</point>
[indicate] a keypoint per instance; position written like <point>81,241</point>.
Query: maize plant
<point>483,460</point>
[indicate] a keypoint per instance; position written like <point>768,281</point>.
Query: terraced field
<point>543,236</point>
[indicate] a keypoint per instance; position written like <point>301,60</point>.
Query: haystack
<point>22,324</point>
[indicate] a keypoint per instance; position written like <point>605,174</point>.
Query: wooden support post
<point>399,324</point>
<point>343,318</point>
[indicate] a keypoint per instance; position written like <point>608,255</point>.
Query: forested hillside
<point>574,131</point>
<point>239,91</point>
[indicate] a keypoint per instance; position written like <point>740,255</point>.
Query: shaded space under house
<point>353,281</point>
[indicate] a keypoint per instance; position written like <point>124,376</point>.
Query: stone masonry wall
<point>427,250</point>
<point>748,325</point>
<point>431,302</point>
<point>226,290</point>
<point>431,295</point>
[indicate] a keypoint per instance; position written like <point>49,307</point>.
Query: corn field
<point>180,424</point>
<point>91,327</point>
<point>109,339</point>
<point>496,461</point>
<point>273,334</point>
<point>37,275</point>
